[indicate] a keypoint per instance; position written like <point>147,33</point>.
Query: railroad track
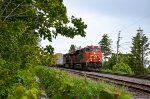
<point>137,82</point>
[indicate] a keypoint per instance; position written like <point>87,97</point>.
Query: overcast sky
<point>106,17</point>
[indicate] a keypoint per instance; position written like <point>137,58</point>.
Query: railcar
<point>87,58</point>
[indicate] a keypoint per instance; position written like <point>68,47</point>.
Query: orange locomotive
<point>87,58</point>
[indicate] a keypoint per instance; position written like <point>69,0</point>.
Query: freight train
<point>87,58</point>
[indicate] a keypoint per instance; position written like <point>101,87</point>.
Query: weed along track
<point>59,84</point>
<point>138,85</point>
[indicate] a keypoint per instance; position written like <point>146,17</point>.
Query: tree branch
<point>12,11</point>
<point>5,7</point>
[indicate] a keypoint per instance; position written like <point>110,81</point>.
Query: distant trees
<point>139,50</point>
<point>72,48</point>
<point>105,45</point>
<point>137,59</point>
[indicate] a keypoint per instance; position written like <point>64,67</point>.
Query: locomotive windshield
<point>93,49</point>
<point>88,49</point>
<point>97,49</point>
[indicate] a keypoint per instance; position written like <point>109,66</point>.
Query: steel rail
<point>125,80</point>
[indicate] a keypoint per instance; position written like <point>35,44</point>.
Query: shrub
<point>18,91</point>
<point>122,68</point>
<point>24,85</point>
<point>110,63</point>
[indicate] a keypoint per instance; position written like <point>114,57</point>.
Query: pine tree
<point>72,48</point>
<point>140,50</point>
<point>105,45</point>
<point>79,48</point>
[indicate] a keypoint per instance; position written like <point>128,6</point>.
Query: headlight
<point>94,52</point>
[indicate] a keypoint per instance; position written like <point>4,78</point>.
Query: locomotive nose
<point>95,57</point>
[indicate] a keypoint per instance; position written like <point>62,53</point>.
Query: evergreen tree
<point>105,45</point>
<point>79,48</point>
<point>140,50</point>
<point>72,48</point>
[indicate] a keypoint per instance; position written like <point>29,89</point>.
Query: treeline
<point>136,61</point>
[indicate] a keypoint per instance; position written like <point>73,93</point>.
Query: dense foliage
<point>26,86</point>
<point>122,68</point>
<point>16,51</point>
<point>22,24</point>
<point>46,18</point>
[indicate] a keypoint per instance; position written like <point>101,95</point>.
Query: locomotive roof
<point>81,49</point>
<point>90,46</point>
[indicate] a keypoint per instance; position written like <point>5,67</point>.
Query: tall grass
<point>59,84</point>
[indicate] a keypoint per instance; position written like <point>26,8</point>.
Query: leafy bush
<point>7,75</point>
<point>14,83</point>
<point>110,63</point>
<point>61,85</point>
<point>122,68</point>
<point>25,86</point>
<point>18,91</point>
